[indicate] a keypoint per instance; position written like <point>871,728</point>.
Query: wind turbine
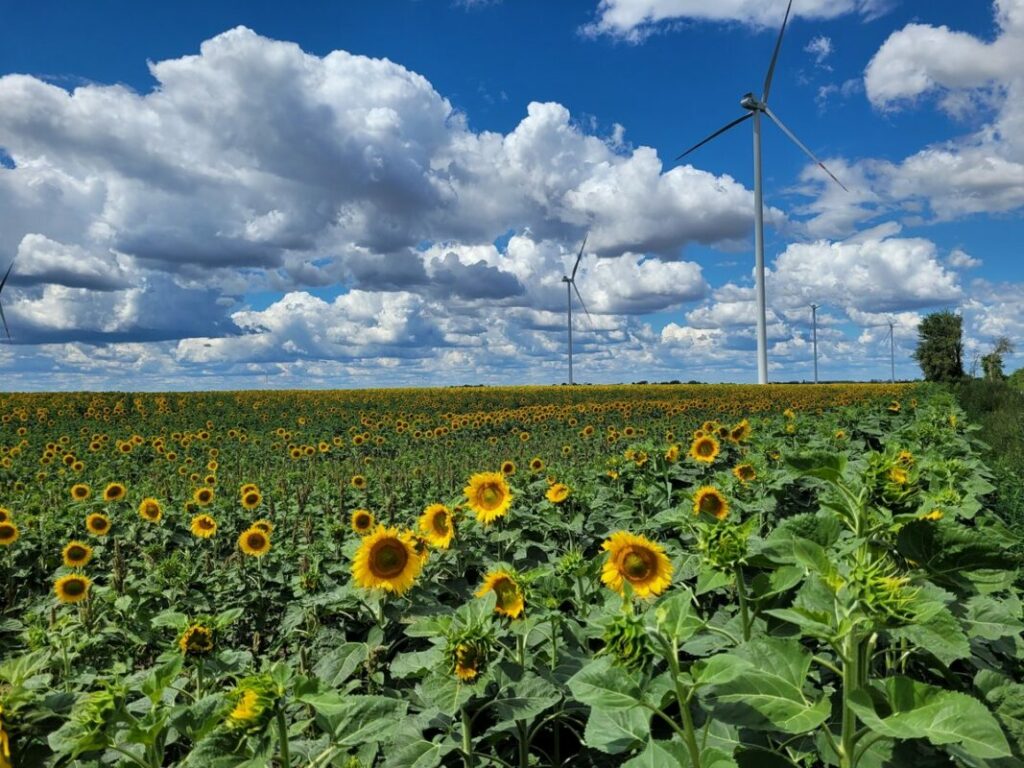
<point>570,286</point>
<point>755,107</point>
<point>814,326</point>
<point>2,284</point>
<point>892,347</point>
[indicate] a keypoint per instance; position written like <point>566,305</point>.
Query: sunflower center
<point>441,522</point>
<point>636,565</point>
<point>505,591</point>
<point>257,540</point>
<point>205,523</point>
<point>705,448</point>
<point>74,587</point>
<point>6,532</point>
<point>363,521</point>
<point>76,553</point>
<point>252,498</point>
<point>388,558</point>
<point>711,504</point>
<point>490,496</point>
<point>99,524</point>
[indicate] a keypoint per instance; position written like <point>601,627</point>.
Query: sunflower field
<point>707,576</point>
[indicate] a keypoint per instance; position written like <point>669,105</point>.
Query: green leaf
<point>617,731</point>
<point>920,711</point>
<point>823,465</point>
<point>675,616</point>
<point>604,686</point>
<point>946,550</point>
<point>417,754</point>
<point>991,619</point>
<point>661,754</point>
<point>353,719</point>
<point>941,635</point>
<point>526,699</point>
<point>337,666</point>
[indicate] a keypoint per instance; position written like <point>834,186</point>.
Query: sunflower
<point>704,449</point>
<point>935,514</point>
<point>740,432</point>
<point>898,475</point>
<point>203,526</point>
<point>536,464</point>
<point>5,515</point>
<point>744,472</point>
<point>254,542</point>
<point>362,521</point>
<point>672,454</point>
<point>509,596</point>
<point>248,488</point>
<point>251,500</point>
<point>196,641</point>
<point>358,482</point>
<point>97,524</point>
<point>387,560</point>
<point>508,468</point>
<point>203,496</point>
<point>80,491</point>
<point>114,492</point>
<point>468,660</point>
<point>436,525</point>
<point>710,500</point>
<point>894,406</point>
<point>637,560</point>
<point>8,534</point>
<point>557,493</point>
<point>76,554</point>
<point>489,496</point>
<point>247,709</point>
<point>72,588</point>
<point>263,525</point>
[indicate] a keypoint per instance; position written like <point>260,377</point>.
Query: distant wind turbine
<point>754,109</point>
<point>814,332</point>
<point>892,347</point>
<point>2,284</point>
<point>570,286</point>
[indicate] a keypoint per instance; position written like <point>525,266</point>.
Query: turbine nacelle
<point>749,101</point>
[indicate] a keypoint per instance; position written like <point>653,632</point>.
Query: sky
<point>253,194</point>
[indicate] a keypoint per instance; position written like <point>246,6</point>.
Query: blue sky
<point>252,213</point>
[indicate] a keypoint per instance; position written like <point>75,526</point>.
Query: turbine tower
<point>570,286</point>
<point>2,284</point>
<point>892,353</point>
<point>814,332</point>
<point>755,108</point>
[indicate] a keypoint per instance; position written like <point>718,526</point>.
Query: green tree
<point>940,346</point>
<point>992,363</point>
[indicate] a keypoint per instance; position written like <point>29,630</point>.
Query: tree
<point>992,363</point>
<point>940,346</point>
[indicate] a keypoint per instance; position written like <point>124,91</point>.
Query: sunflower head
<point>489,496</point>
<point>150,510</point>
<point>536,464</point>
<point>197,640</point>
<point>362,521</point>
<point>638,561</point>
<point>76,554</point>
<point>8,533</point>
<point>508,468</point>
<point>709,500</point>
<point>704,449</point>
<point>507,592</point>
<point>387,559</point>
<point>740,432</point>
<point>557,493</point>
<point>72,588</point>
<point>254,700</point>
<point>247,488</point>
<point>672,454</point>
<point>254,542</point>
<point>264,525</point>
<point>114,492</point>
<point>251,500</point>
<point>203,526</point>
<point>358,482</point>
<point>5,515</point>
<point>203,496</point>
<point>80,491</point>
<point>437,526</point>
<point>744,472</point>
<point>468,660</point>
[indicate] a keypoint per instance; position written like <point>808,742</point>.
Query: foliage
<point>940,346</point>
<point>992,363</point>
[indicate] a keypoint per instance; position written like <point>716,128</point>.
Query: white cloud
<point>820,47</point>
<point>962,260</point>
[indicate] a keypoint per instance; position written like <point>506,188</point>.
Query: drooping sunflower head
<point>203,526</point>
<point>362,521</point>
<point>97,524</point>
<point>508,468</point>
<point>251,500</point>
<point>709,500</point>
<point>80,491</point>
<point>437,526</point>
<point>72,588</point>
<point>254,699</point>
<point>508,595</point>
<point>740,432</point>
<point>489,496</point>
<point>638,561</point>
<point>264,525</point>
<point>76,554</point>
<point>254,542</point>
<point>744,472</point>
<point>387,559</point>
<point>898,476</point>
<point>468,660</point>
<point>8,533</point>
<point>114,492</point>
<point>557,493</point>
<point>203,496</point>
<point>704,449</point>
<point>150,510</point>
<point>358,482</point>
<point>197,640</point>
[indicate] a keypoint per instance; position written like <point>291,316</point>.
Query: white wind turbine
<point>2,284</point>
<point>755,107</point>
<point>570,286</point>
<point>892,346</point>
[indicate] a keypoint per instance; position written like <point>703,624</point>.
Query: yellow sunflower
<point>76,554</point>
<point>362,521</point>
<point>387,559</point>
<point>247,709</point>
<point>197,640</point>
<point>506,590</point>
<point>672,454</point>
<point>264,525</point>
<point>508,468</point>
<point>744,472</point>
<point>358,482</point>
<point>80,491</point>
<point>203,496</point>
<point>704,449</point>
<point>468,660</point>
<point>8,534</point>
<point>740,432</point>
<point>72,588</point>
<point>437,525</point>
<point>254,542</point>
<point>5,515</point>
<point>536,464</point>
<point>114,492</point>
<point>251,500</point>
<point>898,475</point>
<point>710,500</point>
<point>637,560</point>
<point>248,487</point>
<point>557,493</point>
<point>203,526</point>
<point>150,510</point>
<point>97,524</point>
<point>489,496</point>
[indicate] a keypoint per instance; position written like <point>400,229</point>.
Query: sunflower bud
<point>626,641</point>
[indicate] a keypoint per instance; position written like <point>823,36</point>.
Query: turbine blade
<point>6,275</point>
<point>579,257</point>
<point>6,329</point>
<point>800,144</point>
<point>775,56</point>
<point>716,134</point>
<point>573,284</point>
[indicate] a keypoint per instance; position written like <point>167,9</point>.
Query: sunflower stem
<point>282,737</point>
<point>741,594</point>
<point>467,737</point>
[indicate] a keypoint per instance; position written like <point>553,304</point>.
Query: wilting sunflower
<point>76,554</point>
<point>557,493</point>
<point>744,472</point>
<point>509,596</point>
<point>436,525</point>
<point>508,468</point>
<point>97,524</point>
<point>704,449</point>
<point>387,559</point>
<point>80,491</point>
<point>114,492</point>
<point>203,496</point>
<point>248,708</point>
<point>264,525</point>
<point>709,500</point>
<point>637,560</point>
<point>362,521</point>
<point>72,588</point>
<point>251,500</point>
<point>196,641</point>
<point>254,542</point>
<point>536,464</point>
<point>8,534</point>
<point>358,482</point>
<point>203,526</point>
<point>150,510</point>
<point>489,496</point>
